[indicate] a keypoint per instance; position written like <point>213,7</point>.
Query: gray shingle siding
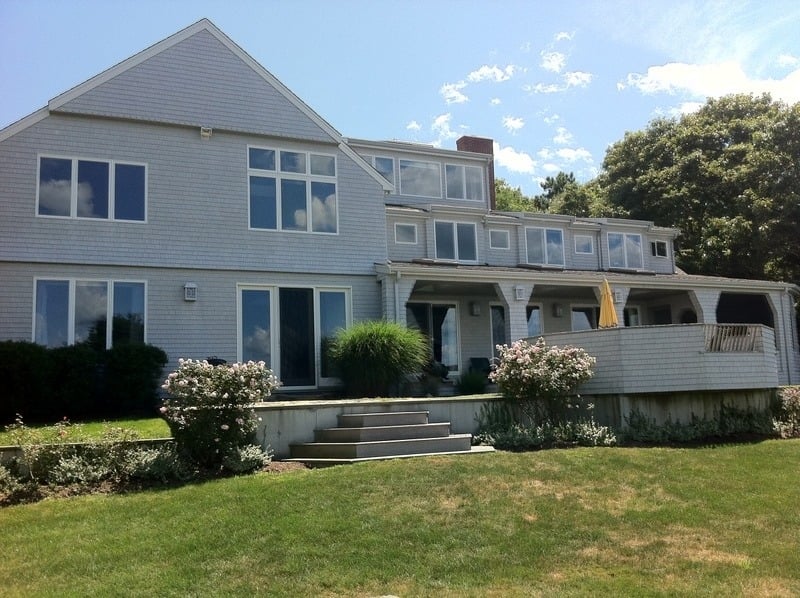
<point>198,82</point>
<point>197,204</point>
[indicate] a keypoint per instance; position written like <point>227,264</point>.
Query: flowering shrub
<point>541,378</point>
<point>209,409</point>
<point>787,422</point>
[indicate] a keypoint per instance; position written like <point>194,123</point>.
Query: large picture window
<point>545,246</point>
<point>292,191</point>
<point>290,329</point>
<point>423,179</point>
<point>79,311</point>
<point>456,241</point>
<point>625,250</point>
<point>464,182</point>
<point>93,189</point>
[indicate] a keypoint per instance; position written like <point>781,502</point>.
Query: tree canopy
<point>728,176</point>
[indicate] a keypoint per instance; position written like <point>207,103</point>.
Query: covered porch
<point>467,310</point>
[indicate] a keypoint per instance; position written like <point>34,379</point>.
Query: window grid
<point>292,191</point>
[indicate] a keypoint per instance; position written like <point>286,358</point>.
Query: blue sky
<point>553,83</point>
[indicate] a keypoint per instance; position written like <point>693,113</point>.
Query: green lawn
<point>712,521</point>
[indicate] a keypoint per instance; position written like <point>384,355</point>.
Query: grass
<point>636,522</point>
<point>153,427</point>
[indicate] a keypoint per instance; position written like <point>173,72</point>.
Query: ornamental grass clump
<point>541,379</point>
<point>372,358</point>
<point>210,408</point>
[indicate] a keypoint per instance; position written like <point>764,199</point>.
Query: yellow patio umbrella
<point>608,315</point>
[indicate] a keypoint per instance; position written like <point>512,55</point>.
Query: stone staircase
<point>386,435</point>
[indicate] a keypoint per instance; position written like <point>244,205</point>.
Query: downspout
<point>787,340</point>
<point>397,297</point>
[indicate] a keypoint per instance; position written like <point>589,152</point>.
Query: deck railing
<point>734,338</point>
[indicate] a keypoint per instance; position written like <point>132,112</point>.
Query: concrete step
<point>373,433</point>
<point>381,448</point>
<point>325,462</point>
<point>389,418</point>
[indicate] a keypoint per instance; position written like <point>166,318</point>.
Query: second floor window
<point>464,182</point>
<point>456,241</point>
<point>423,179</point>
<point>545,246</point>
<point>625,250</point>
<point>95,189</point>
<point>292,191</point>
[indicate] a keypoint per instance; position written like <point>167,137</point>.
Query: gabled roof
<point>65,101</point>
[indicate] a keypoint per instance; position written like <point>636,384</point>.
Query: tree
<point>509,199</point>
<point>728,176</point>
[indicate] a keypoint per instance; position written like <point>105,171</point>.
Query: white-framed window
<point>464,182</point>
<point>456,241</point>
<point>584,244</point>
<point>423,179</point>
<point>499,239</point>
<point>544,246</point>
<point>625,250</point>
<point>101,313</point>
<point>405,233</point>
<point>291,328</point>
<point>91,189</point>
<point>292,190</point>
<point>659,249</point>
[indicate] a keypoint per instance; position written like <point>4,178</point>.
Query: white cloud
<point>564,36</point>
<point>441,128</point>
<point>713,80</point>
<point>553,61</point>
<point>495,101</point>
<point>413,126</point>
<point>514,161</point>
<point>525,47</point>
<point>550,167</point>
<point>574,155</point>
<point>563,137</point>
<point>513,123</point>
<point>492,73</point>
<point>545,153</point>
<point>568,80</point>
<point>549,119</point>
<point>451,92</point>
<point>787,60</point>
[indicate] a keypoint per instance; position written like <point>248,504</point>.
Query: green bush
<point>372,358</point>
<point>132,378</point>
<point>24,377</point>
<point>75,384</point>
<point>209,409</point>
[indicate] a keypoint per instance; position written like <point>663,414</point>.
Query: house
<point>192,201</point>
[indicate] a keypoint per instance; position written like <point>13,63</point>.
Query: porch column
<point>782,305</point>
<point>517,321</point>
<point>620,295</point>
<point>705,304</point>
<point>403,287</point>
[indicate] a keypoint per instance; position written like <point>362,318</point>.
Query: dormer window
<point>456,241</point>
<point>545,246</point>
<point>423,179</point>
<point>659,248</point>
<point>625,251</point>
<point>464,182</point>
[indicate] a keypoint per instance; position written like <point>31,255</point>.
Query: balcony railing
<point>734,338</point>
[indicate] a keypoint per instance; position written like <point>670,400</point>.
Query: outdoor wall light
<point>205,132</point>
<point>190,291</point>
<point>519,293</point>
<point>474,308</point>
<point>558,310</point>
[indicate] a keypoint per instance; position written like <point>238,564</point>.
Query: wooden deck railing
<point>733,338</point>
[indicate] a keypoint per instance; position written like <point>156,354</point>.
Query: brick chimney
<point>480,145</point>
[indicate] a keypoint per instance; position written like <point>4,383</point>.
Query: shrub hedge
<point>78,382</point>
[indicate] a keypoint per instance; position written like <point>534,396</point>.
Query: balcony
<point>677,358</point>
